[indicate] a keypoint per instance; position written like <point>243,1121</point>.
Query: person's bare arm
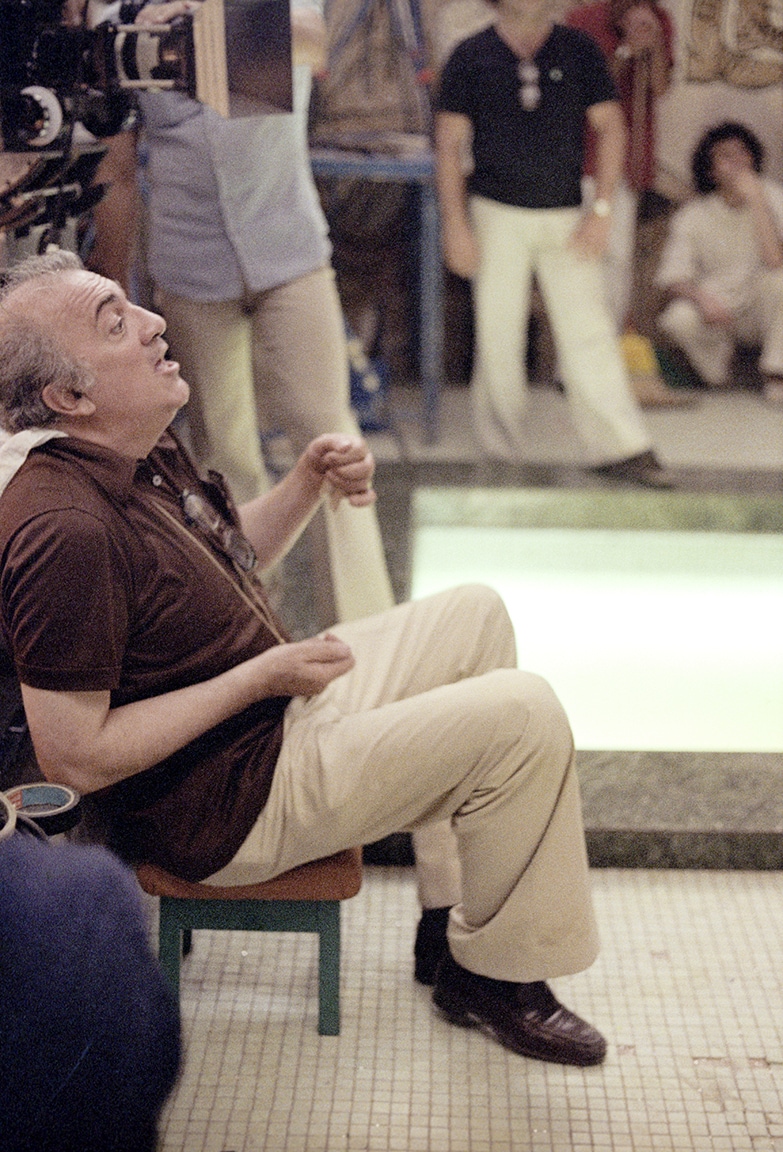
<point>452,139</point>
<point>308,39</point>
<point>80,740</point>
<point>608,123</point>
<point>333,465</point>
<point>749,190</point>
<point>643,36</point>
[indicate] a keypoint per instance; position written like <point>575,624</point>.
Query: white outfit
<point>715,246</point>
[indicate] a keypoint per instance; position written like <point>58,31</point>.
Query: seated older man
<point>157,679</point>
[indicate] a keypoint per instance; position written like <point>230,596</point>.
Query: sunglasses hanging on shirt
<point>529,89</point>
<point>201,515</point>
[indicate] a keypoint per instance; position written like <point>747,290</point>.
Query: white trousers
<point>709,347</point>
<point>436,723</point>
<point>515,243</point>
<point>278,361</point>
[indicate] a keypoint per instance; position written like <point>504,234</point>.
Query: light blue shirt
<point>232,203</point>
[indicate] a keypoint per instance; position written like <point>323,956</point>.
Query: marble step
<point>669,810</point>
<point>683,809</point>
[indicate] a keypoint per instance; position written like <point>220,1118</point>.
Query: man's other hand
<point>304,668</point>
<point>590,238</point>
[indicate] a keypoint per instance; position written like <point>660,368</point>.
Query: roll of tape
<point>53,807</point>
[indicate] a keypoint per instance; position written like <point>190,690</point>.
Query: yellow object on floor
<point>647,384</point>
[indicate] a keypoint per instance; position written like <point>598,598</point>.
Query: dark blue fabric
<point>89,1031</point>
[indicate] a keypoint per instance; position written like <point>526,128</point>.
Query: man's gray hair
<point>30,356</point>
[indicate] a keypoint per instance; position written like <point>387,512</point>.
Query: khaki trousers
<point>278,360</point>
<point>435,722</point>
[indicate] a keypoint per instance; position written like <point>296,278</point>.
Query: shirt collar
<point>15,449</point>
<point>114,472</point>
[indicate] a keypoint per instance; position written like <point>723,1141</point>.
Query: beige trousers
<point>709,347</point>
<point>436,723</point>
<point>278,361</point>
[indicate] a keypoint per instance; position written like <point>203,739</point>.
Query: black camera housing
<point>52,76</point>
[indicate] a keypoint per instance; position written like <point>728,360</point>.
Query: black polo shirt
<point>526,158</point>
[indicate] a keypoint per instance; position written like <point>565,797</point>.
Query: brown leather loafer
<point>645,469</point>
<point>523,1017</point>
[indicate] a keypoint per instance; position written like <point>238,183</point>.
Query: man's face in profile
<point>93,321</point>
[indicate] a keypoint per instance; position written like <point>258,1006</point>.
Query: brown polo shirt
<point>101,591</point>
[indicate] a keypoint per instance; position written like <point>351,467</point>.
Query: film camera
<point>65,86</point>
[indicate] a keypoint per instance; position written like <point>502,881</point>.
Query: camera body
<point>56,81</point>
<point>53,76</point>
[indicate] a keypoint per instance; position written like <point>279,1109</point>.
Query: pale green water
<point>658,640</point>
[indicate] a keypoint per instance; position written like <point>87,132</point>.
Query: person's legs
<point>604,411</point>
<point>434,722</point>
<point>767,307</point>
<point>708,347</point>
<point>438,876</point>
<point>501,305</point>
<point>301,377</point>
<point>302,374</point>
<point>212,344</point>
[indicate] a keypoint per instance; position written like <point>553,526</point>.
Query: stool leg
<point>329,968</point>
<point>169,946</point>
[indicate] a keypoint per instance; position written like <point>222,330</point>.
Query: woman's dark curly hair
<point>702,158</point>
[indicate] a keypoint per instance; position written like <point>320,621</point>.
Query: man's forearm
<point>660,71</point>
<point>765,225</point>
<point>81,741</point>
<point>450,178</point>
<point>333,464</point>
<point>274,521</point>
<point>611,139</point>
<point>116,215</point>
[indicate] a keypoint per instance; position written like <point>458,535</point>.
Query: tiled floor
<point>687,987</point>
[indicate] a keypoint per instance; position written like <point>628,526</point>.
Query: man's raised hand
<point>347,466</point>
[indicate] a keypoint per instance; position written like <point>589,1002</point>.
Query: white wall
<point>688,108</point>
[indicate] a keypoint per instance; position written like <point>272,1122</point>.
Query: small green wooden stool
<point>306,899</point>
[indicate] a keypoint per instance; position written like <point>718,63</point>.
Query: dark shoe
<point>523,1017</point>
<point>645,469</point>
<point>430,946</point>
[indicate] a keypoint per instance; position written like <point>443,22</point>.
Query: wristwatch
<point>602,208</point>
